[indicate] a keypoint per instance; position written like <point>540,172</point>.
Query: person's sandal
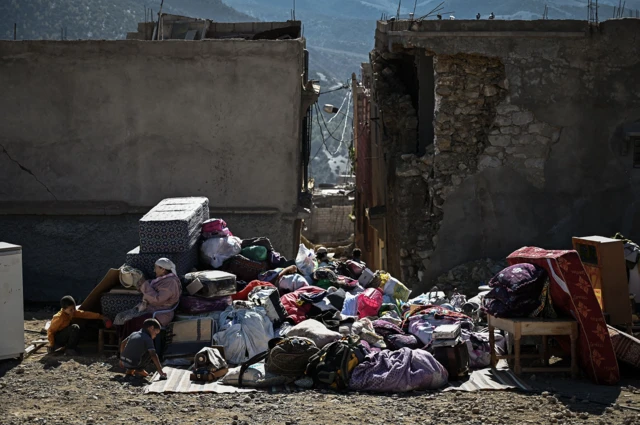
<point>141,373</point>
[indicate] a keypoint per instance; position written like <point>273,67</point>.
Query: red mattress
<point>573,295</point>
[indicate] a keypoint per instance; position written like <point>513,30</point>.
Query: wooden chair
<point>108,341</point>
<point>538,327</point>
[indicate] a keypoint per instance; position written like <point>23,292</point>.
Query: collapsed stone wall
<point>468,90</point>
<point>475,127</point>
<point>533,156</point>
<point>406,193</point>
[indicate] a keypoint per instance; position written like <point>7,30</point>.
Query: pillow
<point>315,331</point>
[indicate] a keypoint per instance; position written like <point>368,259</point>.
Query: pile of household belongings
<point>333,323</point>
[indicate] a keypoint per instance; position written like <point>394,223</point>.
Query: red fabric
<point>573,295</point>
<point>244,294</point>
<point>296,312</point>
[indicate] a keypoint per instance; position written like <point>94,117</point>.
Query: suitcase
<point>366,278</point>
<point>244,268</point>
<point>455,359</point>
<point>187,338</point>
<point>198,305</point>
<point>174,225</point>
<point>215,283</point>
<point>447,331</point>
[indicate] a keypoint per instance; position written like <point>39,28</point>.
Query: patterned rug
<point>573,296</point>
<point>627,347</point>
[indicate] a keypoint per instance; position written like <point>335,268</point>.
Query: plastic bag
<point>243,333</point>
<point>216,251</point>
<point>369,303</point>
<point>255,253</point>
<point>306,262</point>
<point>396,289</point>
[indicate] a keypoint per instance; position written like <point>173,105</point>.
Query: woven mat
<point>500,379</point>
<point>179,381</point>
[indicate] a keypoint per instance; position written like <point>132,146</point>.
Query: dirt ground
<point>91,390</point>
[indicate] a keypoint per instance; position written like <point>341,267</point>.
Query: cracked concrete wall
<point>94,133</point>
<point>546,158</point>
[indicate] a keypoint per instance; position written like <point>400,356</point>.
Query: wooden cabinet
<point>603,259</point>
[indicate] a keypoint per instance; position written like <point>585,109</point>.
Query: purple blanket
<point>399,371</point>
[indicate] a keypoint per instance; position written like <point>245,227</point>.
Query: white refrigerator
<point>11,302</point>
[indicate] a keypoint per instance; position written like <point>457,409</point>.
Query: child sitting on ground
<point>138,349</point>
<point>61,333</point>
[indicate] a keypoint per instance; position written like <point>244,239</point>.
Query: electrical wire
<point>345,121</point>
<point>325,123</point>
<point>340,108</point>
<point>324,142</point>
<point>342,87</point>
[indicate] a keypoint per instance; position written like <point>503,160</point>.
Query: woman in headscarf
<point>161,294</point>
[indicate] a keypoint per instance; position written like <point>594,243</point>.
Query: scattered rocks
<point>467,277</point>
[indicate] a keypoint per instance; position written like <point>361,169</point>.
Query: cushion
<point>315,331</point>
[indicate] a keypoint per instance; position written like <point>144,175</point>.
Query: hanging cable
<point>327,127</point>
<point>342,87</point>
<point>324,142</point>
<point>340,108</point>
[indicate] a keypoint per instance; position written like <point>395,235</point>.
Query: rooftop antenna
<point>434,10</point>
<point>294,10</point>
<point>398,14</point>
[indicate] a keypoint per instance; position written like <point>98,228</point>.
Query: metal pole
<point>15,30</point>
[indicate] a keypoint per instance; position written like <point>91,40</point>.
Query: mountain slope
<point>97,19</point>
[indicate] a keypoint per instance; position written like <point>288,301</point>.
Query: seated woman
<point>162,293</point>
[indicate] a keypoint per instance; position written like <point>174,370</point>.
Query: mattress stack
<point>114,303</point>
<point>170,230</point>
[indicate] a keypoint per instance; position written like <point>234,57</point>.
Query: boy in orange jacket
<point>61,332</point>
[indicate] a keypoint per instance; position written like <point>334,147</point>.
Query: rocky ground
<point>90,390</point>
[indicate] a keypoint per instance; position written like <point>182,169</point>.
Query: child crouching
<point>61,333</point>
<point>138,349</point>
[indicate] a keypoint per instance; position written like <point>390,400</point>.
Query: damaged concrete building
<point>95,133</point>
<point>330,219</point>
<point>475,138</point>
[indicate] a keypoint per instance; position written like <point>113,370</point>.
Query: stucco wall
<point>548,166</point>
<point>137,121</point>
<point>94,133</point>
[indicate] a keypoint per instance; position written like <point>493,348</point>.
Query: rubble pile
<point>466,278</point>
